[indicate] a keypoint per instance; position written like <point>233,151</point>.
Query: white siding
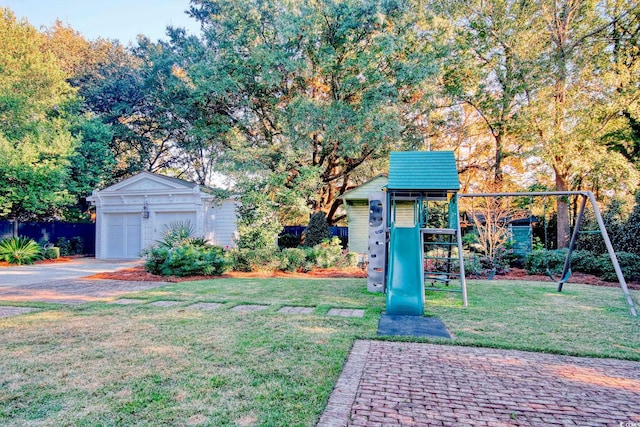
<point>223,228</point>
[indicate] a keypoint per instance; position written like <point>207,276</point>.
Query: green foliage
<point>178,233</point>
<point>20,250</point>
<point>629,239</point>
<point>629,264</point>
<point>51,252</point>
<point>538,262</point>
<point>326,254</point>
<point>585,262</point>
<point>314,94</point>
<point>179,253</point>
<point>317,231</point>
<point>294,259</point>
<point>265,260</point>
<point>186,259</point>
<point>36,114</point>
<point>258,225</point>
<point>69,247</point>
<point>288,241</point>
<point>351,259</point>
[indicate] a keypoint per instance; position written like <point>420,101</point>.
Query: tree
<point>35,137</point>
<point>317,231</point>
<point>304,95</point>
<point>566,100</point>
<point>494,46</point>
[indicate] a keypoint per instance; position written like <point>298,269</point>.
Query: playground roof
<point>423,170</point>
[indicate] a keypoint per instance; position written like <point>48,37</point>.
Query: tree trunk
<point>563,226</point>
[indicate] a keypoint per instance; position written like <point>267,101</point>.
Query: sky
<point>110,19</point>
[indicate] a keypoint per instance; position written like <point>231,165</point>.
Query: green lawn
<point>105,364</point>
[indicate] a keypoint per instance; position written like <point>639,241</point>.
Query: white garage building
<point>133,214</point>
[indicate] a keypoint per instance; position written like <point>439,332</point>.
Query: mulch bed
<point>44,261</point>
<point>139,274</point>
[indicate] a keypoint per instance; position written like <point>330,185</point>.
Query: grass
<point>582,320</point>
<point>105,364</point>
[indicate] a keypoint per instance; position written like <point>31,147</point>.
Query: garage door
<point>123,237</point>
<point>164,219</point>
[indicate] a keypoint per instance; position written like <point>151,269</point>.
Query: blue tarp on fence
<point>50,232</point>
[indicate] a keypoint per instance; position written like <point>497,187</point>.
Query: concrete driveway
<point>66,283</point>
<point>22,275</point>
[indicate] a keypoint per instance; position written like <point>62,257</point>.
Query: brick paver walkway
<point>413,384</point>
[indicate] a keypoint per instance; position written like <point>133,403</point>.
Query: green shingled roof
<point>423,170</point>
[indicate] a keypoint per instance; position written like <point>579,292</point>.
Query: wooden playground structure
<point>408,255</point>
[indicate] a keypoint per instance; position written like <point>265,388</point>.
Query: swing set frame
<point>585,195</point>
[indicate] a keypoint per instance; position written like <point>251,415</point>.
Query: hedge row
<point>538,262</point>
<point>187,258</point>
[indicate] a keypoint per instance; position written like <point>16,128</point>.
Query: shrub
<point>327,254</point>
<point>629,264</point>
<point>351,259</point>
<point>186,260</point>
<point>179,233</point>
<point>243,259</point>
<point>51,252</point>
<point>69,247</point>
<point>629,240</point>
<point>317,231</point>
<point>294,259</point>
<point>585,262</point>
<point>258,225</point>
<point>538,262</point>
<point>288,241</point>
<point>20,250</point>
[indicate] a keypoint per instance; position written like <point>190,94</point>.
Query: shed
<point>357,206</point>
<point>132,214</point>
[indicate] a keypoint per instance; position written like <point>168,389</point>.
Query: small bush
<point>186,260</point>
<point>351,259</point>
<point>70,247</point>
<point>538,262</point>
<point>585,262</point>
<point>51,252</point>
<point>294,259</point>
<point>255,259</point>
<point>20,250</point>
<point>327,254</point>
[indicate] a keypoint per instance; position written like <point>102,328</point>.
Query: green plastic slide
<point>405,284</point>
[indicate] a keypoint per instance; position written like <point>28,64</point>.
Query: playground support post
<point>572,244</point>
<point>463,280</point>
<point>603,231</point>
<point>612,254</point>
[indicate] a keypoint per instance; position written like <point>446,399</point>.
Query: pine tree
<point>317,230</point>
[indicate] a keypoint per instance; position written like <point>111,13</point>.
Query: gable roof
<point>423,170</point>
<point>362,191</point>
<point>147,181</point>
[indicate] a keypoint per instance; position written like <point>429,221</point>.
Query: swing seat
<point>562,280</point>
